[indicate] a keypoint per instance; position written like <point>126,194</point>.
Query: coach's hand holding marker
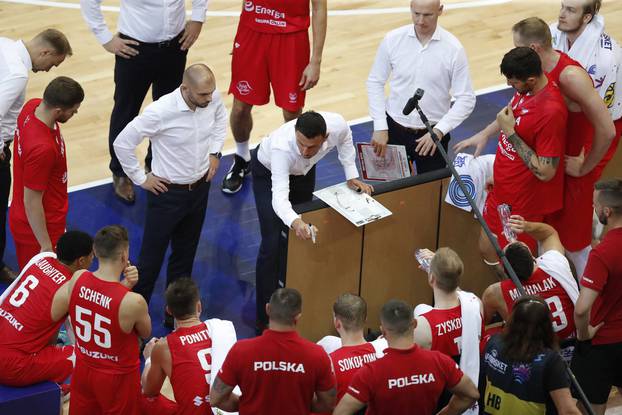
<point>303,230</point>
<point>130,274</point>
<point>359,186</point>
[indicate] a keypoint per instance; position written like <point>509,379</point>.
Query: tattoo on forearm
<point>221,387</point>
<point>533,162</point>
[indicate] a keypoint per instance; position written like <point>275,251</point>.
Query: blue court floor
<point>225,263</point>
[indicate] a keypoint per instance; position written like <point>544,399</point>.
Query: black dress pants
<point>401,135</point>
<point>159,65</point>
<point>272,258</point>
<point>174,217</point>
<point>5,189</point>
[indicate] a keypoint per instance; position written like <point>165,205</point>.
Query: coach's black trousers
<point>5,189</point>
<point>159,65</point>
<point>174,217</point>
<point>272,258</point>
<point>398,134</point>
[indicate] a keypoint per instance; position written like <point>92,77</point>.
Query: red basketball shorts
<point>264,59</point>
<point>53,363</point>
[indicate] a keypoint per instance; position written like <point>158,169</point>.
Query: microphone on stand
<point>412,102</point>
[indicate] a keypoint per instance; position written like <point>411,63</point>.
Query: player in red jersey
<point>549,276</point>
<point>597,362</point>
<point>441,327</point>
<point>108,320</point>
<point>32,310</point>
<point>185,356</point>
<point>531,147</point>
<point>350,351</point>
<point>590,131</point>
<point>271,48</point>
<point>39,208</point>
<point>279,371</point>
<point>407,377</point>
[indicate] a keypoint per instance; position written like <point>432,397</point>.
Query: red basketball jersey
<point>541,124</point>
<point>191,357</point>
<point>276,16</point>
<point>347,360</point>
<point>543,285</point>
<point>446,328</point>
<point>100,342</point>
<point>26,308</point>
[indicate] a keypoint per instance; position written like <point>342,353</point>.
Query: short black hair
<point>73,245</point>
<point>285,305</point>
<point>397,316</point>
<point>520,258</point>
<point>181,297</point>
<point>110,241</point>
<point>521,63</point>
<point>311,124</point>
<point>63,92</point>
<point>610,194</point>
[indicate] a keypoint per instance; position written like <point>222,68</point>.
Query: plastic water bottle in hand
<point>504,214</point>
<point>423,260</point>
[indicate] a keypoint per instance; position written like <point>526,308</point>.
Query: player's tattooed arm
<point>543,168</point>
<point>222,396</point>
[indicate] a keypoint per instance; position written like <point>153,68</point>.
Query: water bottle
<point>423,260</point>
<point>504,214</point>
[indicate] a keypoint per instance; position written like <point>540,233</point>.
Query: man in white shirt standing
<point>17,58</point>
<point>283,168</point>
<point>187,129</point>
<point>150,51</point>
<point>426,56</point>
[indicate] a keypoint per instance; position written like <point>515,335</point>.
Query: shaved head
<point>196,74</point>
<point>425,15</point>
<point>198,85</point>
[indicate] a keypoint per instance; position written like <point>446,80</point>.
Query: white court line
<point>355,121</point>
<point>350,12</point>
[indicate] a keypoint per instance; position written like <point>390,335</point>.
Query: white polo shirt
<point>15,66</point>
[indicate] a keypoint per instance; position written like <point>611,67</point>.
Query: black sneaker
<point>233,181</point>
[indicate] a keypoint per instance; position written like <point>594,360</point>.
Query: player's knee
<point>240,109</point>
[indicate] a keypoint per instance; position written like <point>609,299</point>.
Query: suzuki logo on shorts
<point>244,88</point>
<point>293,97</point>
<point>249,6</point>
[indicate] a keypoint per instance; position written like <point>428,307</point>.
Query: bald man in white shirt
<point>420,55</point>
<point>187,129</point>
<point>283,168</point>
<point>150,51</point>
<point>17,58</point>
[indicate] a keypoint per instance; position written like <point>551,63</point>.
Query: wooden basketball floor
<point>355,28</point>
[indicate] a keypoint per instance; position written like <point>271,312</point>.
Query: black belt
<point>191,186</point>
<point>160,45</point>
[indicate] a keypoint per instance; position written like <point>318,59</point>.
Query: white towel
<point>556,265</point>
<point>16,281</point>
<point>475,172</point>
<point>222,333</point>
<point>471,334</point>
<point>601,57</point>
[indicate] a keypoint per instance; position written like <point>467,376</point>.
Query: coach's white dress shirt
<point>149,21</point>
<point>440,68</point>
<point>181,139</point>
<point>15,65</point>
<point>280,154</point>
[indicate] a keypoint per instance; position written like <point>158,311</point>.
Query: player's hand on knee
<point>379,140</point>
<point>155,184</point>
<point>302,229</point>
<point>121,47</point>
<point>130,274</point>
<point>149,347</point>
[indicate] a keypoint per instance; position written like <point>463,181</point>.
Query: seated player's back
<point>446,330</point>
<point>545,286</point>
<point>101,343</point>
<point>347,360</point>
<point>27,322</point>
<point>190,349</point>
<point>277,372</point>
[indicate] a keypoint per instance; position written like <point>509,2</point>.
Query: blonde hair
<point>447,268</point>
